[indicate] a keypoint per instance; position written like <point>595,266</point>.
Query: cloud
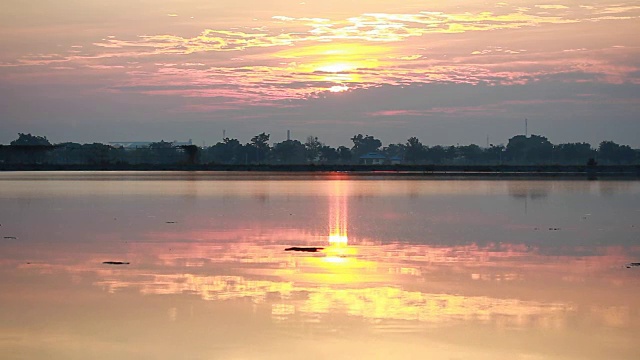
<point>368,27</point>
<point>289,58</point>
<point>554,7</point>
<point>619,9</point>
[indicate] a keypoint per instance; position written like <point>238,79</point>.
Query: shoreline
<point>464,171</point>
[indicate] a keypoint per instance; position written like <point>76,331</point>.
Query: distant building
<point>373,158</point>
<point>144,144</point>
<point>395,160</point>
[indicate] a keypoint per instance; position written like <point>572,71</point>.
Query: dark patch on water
<point>304,249</point>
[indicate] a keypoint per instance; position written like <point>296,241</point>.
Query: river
<point>405,267</point>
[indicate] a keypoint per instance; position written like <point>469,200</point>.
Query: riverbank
<point>573,171</point>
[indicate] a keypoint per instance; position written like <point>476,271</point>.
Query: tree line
<point>520,150</point>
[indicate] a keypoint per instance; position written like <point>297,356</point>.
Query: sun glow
<point>335,58</point>
<point>338,88</point>
<point>336,68</point>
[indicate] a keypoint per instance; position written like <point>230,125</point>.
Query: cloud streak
<point>222,60</point>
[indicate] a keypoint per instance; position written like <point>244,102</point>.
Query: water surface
<point>411,268</point>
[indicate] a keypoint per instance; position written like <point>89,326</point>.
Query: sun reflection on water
<point>357,283</point>
<point>207,275</point>
<point>338,225</point>
<point>338,214</point>
<point>394,282</point>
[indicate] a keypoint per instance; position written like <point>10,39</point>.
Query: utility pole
<point>526,128</point>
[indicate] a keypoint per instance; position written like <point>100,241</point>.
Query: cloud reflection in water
<point>378,283</point>
<point>420,266</point>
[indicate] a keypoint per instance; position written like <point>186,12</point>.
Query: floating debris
<point>304,249</point>
<point>10,237</point>
<point>630,265</point>
<point>554,229</point>
<point>170,222</point>
<point>115,263</point>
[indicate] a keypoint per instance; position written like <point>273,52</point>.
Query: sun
<point>335,68</point>
<point>335,58</point>
<point>338,88</point>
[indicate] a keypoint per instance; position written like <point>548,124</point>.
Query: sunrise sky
<point>445,71</point>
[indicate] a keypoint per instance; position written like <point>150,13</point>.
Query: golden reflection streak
<point>338,214</point>
<point>363,287</point>
<point>341,263</point>
<point>371,303</point>
<point>338,225</point>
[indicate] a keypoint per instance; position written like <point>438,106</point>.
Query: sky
<point>448,72</point>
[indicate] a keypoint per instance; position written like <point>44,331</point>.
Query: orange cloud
<point>286,57</point>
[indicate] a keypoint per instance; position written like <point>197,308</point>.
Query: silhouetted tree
<point>494,154</point>
<point>344,154</point>
<point>33,149</point>
<point>30,140</point>
<point>436,154</point>
<point>312,146</point>
<point>161,145</point>
<point>451,153</point>
<point>395,150</point>
<point>364,144</point>
<point>414,150</point>
<point>259,143</point>
<point>229,151</point>
<point>328,154</point>
<point>533,149</point>
<point>617,154</point>
<point>159,152</point>
<point>68,153</point>
<point>471,153</point>
<point>96,153</point>
<point>28,149</point>
<point>289,152</point>
<point>573,153</point>
<point>192,152</point>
